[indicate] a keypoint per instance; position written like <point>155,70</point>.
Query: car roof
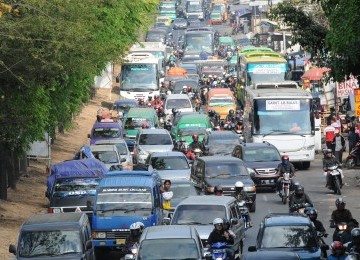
<point>195,116</point>
<point>271,255</point>
<point>53,221</point>
<point>143,111</point>
<point>207,200</point>
<point>167,154</point>
<point>106,125</point>
<point>97,148</point>
<point>284,219</point>
<point>177,96</point>
<point>222,134</point>
<point>153,131</point>
<point>222,159</point>
<point>168,232</point>
<point>256,145</point>
<point>125,102</point>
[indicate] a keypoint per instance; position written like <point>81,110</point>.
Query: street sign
<point>357,101</point>
<point>258,3</point>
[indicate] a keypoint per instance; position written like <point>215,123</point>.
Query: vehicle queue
<point>173,167</point>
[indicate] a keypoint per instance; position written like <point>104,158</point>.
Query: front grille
<point>266,171</point>
<point>228,191</point>
<point>117,234</point>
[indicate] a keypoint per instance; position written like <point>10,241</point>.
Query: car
<point>123,151</point>
<point>216,18</point>
<point>180,23</point>
<point>182,189</point>
<point>106,131</point>
<point>200,211</point>
<point>151,140</point>
<point>170,242</point>
<point>55,236</point>
<point>220,142</point>
<point>289,233</point>
<point>221,100</point>
<point>271,255</point>
<point>170,165</point>
<point>180,102</point>
<point>108,154</point>
<point>262,160</point>
<point>209,171</point>
<point>190,68</point>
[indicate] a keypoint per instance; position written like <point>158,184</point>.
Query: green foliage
<point>50,52</point>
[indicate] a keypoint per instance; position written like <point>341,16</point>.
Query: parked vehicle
<point>55,236</point>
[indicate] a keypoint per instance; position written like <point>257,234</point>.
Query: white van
<point>181,102</point>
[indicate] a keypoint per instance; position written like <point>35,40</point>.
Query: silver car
<point>149,141</point>
<point>108,155</point>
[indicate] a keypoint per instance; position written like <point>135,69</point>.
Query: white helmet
<point>239,184</point>
<point>135,225</point>
<point>218,221</point>
<point>142,226</point>
<point>184,87</point>
<point>222,81</point>
<point>210,76</point>
<point>120,114</point>
<point>167,195</point>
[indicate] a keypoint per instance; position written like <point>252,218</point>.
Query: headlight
<point>249,188</point>
<point>100,234</point>
<point>57,210</point>
<point>210,189</point>
<point>134,251</point>
<point>251,171</point>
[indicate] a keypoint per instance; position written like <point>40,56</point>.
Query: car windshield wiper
<point>135,209</point>
<point>114,209</point>
<point>281,132</point>
<point>219,175</point>
<point>191,223</point>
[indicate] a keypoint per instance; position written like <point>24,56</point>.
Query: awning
<point>315,73</point>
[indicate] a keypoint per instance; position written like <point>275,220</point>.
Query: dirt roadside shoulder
<point>29,197</point>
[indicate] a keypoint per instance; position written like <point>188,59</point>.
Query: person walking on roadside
<point>339,145</point>
<point>353,138</point>
<point>329,133</point>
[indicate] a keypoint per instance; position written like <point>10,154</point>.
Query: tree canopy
<point>328,29</point>
<point>50,52</point>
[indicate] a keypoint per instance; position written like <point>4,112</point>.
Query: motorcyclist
<point>226,226</point>
<point>157,101</point>
<point>220,235</point>
<point>184,90</point>
<point>172,58</point>
<point>339,215</point>
<point>196,144</point>
<point>354,246</point>
<point>181,146</point>
<point>329,160</point>
<point>135,233</point>
<point>230,115</point>
<point>346,235</point>
<point>241,195</point>
<point>299,199</point>
<point>319,227</point>
<point>337,251</point>
<point>284,167</point>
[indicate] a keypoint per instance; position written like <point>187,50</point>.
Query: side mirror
<point>123,160</point>
<point>88,245</point>
<point>12,249</point>
<point>252,248</point>
<point>234,221</point>
<point>166,221</point>
<point>88,135</point>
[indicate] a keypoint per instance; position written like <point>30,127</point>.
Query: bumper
<point>300,156</point>
<point>265,181</point>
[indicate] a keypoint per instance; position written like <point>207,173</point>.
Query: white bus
<point>140,76</point>
<point>281,114</point>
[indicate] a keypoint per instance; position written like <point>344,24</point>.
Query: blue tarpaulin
<point>76,168</point>
<point>84,153</point>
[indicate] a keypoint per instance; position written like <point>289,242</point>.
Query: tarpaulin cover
<point>176,71</point>
<point>84,152</point>
<point>76,168</point>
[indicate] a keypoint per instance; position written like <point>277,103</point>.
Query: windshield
<point>139,77</point>
<point>261,155</point>
<point>219,146</point>
<point>177,103</point>
<point>121,148</point>
<point>272,72</point>
<point>183,190</point>
<point>134,123</point>
<point>221,101</point>
<point>155,139</point>
<point>169,163</point>
<point>75,187</point>
<point>180,84</point>
<point>199,42</point>
<point>191,131</point>
<point>225,169</point>
<point>49,243</point>
<point>198,214</point>
<point>106,133</point>
<point>106,156</point>
<point>178,248</point>
<point>194,8</point>
<point>292,116</point>
<point>119,201</point>
<point>288,236</point>
<point>124,108</point>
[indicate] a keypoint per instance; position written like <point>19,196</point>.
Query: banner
<point>344,89</point>
<point>357,102</point>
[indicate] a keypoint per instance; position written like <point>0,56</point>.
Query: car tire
<point>253,207</point>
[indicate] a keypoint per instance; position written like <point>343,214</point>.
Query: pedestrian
<point>353,138</point>
<point>167,195</point>
<point>339,145</point>
<point>329,133</point>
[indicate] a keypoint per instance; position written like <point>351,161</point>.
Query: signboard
<point>344,89</point>
<point>258,3</point>
<point>278,105</point>
<point>357,101</point>
<point>269,69</point>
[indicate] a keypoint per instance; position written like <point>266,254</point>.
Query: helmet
<point>144,126</point>
<point>218,188</point>
<point>218,221</point>
<point>337,248</point>
<point>167,195</point>
<point>210,76</point>
<point>184,87</point>
<point>142,226</point>
<point>189,88</point>
<point>312,214</point>
<point>211,113</point>
<point>239,184</point>
<point>285,159</point>
<point>149,97</point>
<point>135,229</point>
<point>299,190</point>
<point>355,233</point>
<point>231,111</point>
<point>195,137</point>
<point>121,115</point>
<point>135,226</point>
<point>226,222</point>
<point>222,81</point>
<point>141,101</point>
<point>156,96</point>
<point>327,151</point>
<point>174,110</point>
<point>340,202</point>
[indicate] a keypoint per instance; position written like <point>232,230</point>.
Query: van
<point>55,236</point>
<point>181,102</point>
<point>122,198</point>
<point>138,116</point>
<point>221,100</point>
<point>189,125</point>
<point>105,131</point>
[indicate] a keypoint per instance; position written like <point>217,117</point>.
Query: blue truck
<point>122,198</point>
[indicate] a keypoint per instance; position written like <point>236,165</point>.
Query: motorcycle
<point>352,159</point>
<point>339,229</point>
<point>132,252</point>
<point>335,178</point>
<point>244,211</point>
<point>160,113</point>
<point>285,187</point>
<point>217,251</point>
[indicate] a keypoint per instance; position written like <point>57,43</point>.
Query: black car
<point>209,171</point>
<point>180,23</point>
<point>220,142</point>
<point>262,160</point>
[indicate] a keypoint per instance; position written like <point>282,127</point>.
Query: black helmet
<point>218,188</point>
<point>340,202</point>
<point>226,222</point>
<point>211,113</point>
<point>327,151</point>
<point>299,190</point>
<point>312,214</point>
<point>355,236</point>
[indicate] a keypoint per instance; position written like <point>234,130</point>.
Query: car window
<point>288,237</point>
<point>169,163</point>
<point>177,103</point>
<point>198,214</point>
<point>233,213</point>
<point>121,148</point>
<point>106,156</point>
<point>261,155</point>
<point>222,169</point>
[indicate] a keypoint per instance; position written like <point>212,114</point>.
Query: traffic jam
<point>213,150</point>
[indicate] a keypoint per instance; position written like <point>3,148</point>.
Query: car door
<point>238,227</point>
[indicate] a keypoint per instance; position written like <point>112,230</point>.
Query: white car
<point>149,141</point>
<point>108,155</point>
<point>181,102</point>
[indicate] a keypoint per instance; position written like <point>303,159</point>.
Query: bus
<point>283,115</point>
<point>198,40</point>
<point>140,76</point>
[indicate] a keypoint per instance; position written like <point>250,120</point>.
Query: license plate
<point>120,241</point>
<point>267,181</point>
